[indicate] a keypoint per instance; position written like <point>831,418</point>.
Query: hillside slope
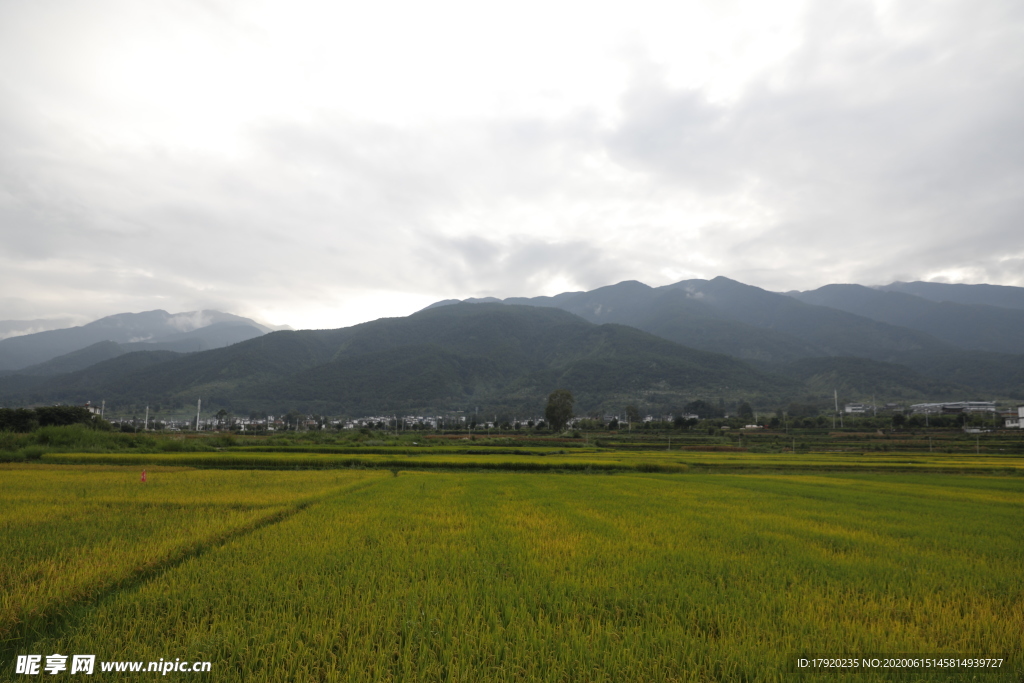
<point>970,326</point>
<point>726,316</point>
<point>194,331</point>
<point>449,357</point>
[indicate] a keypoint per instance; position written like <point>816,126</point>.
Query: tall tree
<point>559,409</point>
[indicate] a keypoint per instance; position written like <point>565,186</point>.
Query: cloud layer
<point>219,156</point>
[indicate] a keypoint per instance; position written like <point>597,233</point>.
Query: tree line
<point>23,420</point>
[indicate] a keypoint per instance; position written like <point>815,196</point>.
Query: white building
<point>958,407</point>
<point>1016,422</point>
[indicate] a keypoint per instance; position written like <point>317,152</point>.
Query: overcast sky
<point>319,164</point>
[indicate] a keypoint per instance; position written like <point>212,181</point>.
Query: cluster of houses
<point>272,423</point>
<point>1013,419</point>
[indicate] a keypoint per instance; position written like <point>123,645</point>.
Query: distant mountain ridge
<point>17,328</point>
<point>748,322</point>
<point>1003,296</point>
<point>629,343</point>
<point>484,355</point>
<point>976,326</point>
<point>192,331</point>
<point>968,347</point>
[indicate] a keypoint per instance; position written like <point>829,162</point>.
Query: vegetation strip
<point>597,462</point>
<point>239,461</point>
<point>430,450</point>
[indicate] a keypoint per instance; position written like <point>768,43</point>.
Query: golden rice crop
<point>71,533</point>
<point>491,576</point>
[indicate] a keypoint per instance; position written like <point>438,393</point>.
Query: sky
<point>320,164</point>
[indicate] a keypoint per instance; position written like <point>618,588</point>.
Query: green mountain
<point>859,379</point>
<point>658,348</point>
<point>76,360</point>
<point>454,357</point>
<point>726,316</point>
<point>971,326</point>
<point>951,345</point>
<point>986,374</point>
<point>677,315</point>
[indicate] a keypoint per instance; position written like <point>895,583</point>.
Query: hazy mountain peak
<point>18,328</point>
<point>187,331</point>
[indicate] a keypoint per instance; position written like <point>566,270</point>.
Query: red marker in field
<point>143,476</point>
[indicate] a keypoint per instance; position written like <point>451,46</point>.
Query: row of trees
<point>25,420</point>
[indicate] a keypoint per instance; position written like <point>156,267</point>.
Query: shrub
<point>224,441</point>
<point>32,452</point>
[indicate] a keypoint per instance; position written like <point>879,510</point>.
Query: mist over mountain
<point>151,330</point>
<point>17,328</point>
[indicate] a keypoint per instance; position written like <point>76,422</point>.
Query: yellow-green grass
<point>860,461</point>
<point>663,461</point>
<point>70,533</point>
<point>497,576</point>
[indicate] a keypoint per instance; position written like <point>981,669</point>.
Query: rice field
<point>449,575</point>
<point>71,533</point>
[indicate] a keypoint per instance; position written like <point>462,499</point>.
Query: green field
<point>478,574</point>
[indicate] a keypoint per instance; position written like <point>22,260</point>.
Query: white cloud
<point>321,164</point>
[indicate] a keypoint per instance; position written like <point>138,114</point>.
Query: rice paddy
<point>476,574</point>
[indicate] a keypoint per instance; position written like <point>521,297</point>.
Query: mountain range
<point>655,347</point>
<point>52,352</point>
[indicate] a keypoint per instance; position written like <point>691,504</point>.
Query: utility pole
<point>145,426</point>
<point>199,405</point>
